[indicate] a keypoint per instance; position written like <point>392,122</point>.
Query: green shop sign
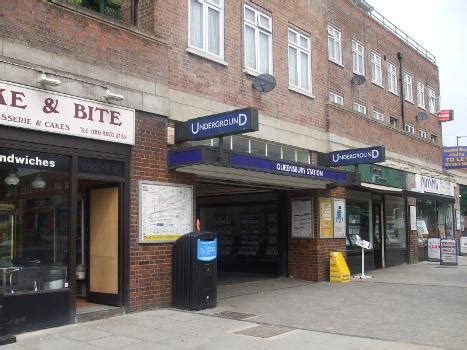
<point>379,175</point>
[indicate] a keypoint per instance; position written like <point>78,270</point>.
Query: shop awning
<point>380,187</point>
<point>246,168</point>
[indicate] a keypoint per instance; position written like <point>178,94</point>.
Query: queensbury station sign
<point>234,122</point>
<point>352,156</point>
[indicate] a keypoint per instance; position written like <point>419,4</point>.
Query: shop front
<point>376,212</point>
<point>435,210</point>
<point>63,204</point>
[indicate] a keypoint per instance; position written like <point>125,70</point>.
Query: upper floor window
<point>299,61</point>
<point>359,108</point>
<point>335,98</point>
<point>392,78</point>
<point>378,116</point>
<point>422,134</point>
<point>258,41</point>
<point>394,122</point>
<point>376,70</point>
<point>207,26</point>
<point>421,94</point>
<point>434,138</point>
<point>111,8</point>
<point>334,45</point>
<point>408,93</point>
<point>410,128</point>
<point>358,59</point>
<point>432,100</point>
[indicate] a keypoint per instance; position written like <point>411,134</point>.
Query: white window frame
<point>359,108</point>
<point>336,98</point>
<point>392,78</point>
<point>397,122</point>
<point>335,37</point>
<point>358,58</point>
<point>434,136</point>
<point>420,94</point>
<point>300,50</point>
<point>376,69</point>
<point>422,134</point>
<point>204,51</point>
<point>258,28</point>
<point>431,100</point>
<point>408,87</point>
<point>378,115</point>
<point>409,128</point>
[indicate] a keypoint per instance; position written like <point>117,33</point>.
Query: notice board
<point>165,211</point>
<point>302,218</point>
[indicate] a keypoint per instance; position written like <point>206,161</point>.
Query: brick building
<point>98,87</point>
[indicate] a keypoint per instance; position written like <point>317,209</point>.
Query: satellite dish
<point>358,79</point>
<point>264,82</point>
<point>422,116</point>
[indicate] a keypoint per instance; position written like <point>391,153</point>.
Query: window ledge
<point>252,72</point>
<point>108,20</point>
<point>358,73</point>
<point>203,54</point>
<point>409,101</point>
<point>301,92</point>
<point>336,63</point>
<point>394,93</point>
<point>377,84</point>
<point>421,107</point>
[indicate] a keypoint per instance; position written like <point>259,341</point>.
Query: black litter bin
<point>194,278</point>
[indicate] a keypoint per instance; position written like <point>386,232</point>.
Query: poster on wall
<point>448,252</point>
<point>165,211</point>
<point>463,242</point>
<point>325,218</point>
<point>302,218</point>
<point>413,218</point>
<point>458,219</point>
<point>434,249</point>
<point>339,218</point>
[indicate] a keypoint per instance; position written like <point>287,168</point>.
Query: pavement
<point>421,306</point>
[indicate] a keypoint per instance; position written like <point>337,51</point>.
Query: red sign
<point>445,115</point>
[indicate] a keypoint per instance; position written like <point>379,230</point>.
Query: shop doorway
<point>98,245</point>
<point>249,222</point>
<point>378,239</point>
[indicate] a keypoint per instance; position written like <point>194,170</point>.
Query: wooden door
<point>103,245</point>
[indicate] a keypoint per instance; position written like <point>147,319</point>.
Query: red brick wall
<point>65,32</point>
<point>309,258</point>
<point>355,24</point>
<point>412,234</point>
<point>150,264</point>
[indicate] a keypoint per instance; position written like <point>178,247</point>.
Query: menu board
<point>165,211</point>
<point>302,218</point>
<point>448,252</point>
<point>325,218</point>
<point>434,249</point>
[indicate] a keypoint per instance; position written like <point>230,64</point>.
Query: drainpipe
<point>133,12</point>
<point>400,57</point>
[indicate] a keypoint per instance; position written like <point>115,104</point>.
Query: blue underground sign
<point>357,156</point>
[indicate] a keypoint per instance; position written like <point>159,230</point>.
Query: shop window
<point>111,8</point>
<point>396,236</point>
<point>34,223</point>
<point>206,28</point>
<point>445,220</point>
<point>358,222</point>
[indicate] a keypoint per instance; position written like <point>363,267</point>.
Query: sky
<point>441,27</point>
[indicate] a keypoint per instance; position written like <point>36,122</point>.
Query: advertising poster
<point>434,249</point>
<point>448,252</point>
<point>302,218</point>
<point>463,242</point>
<point>413,218</point>
<point>165,211</point>
<point>339,218</point>
<point>325,218</point>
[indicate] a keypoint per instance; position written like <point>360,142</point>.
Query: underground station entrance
<point>251,226</point>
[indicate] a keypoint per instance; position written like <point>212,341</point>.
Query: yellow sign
<point>338,269</point>
<point>325,218</point>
